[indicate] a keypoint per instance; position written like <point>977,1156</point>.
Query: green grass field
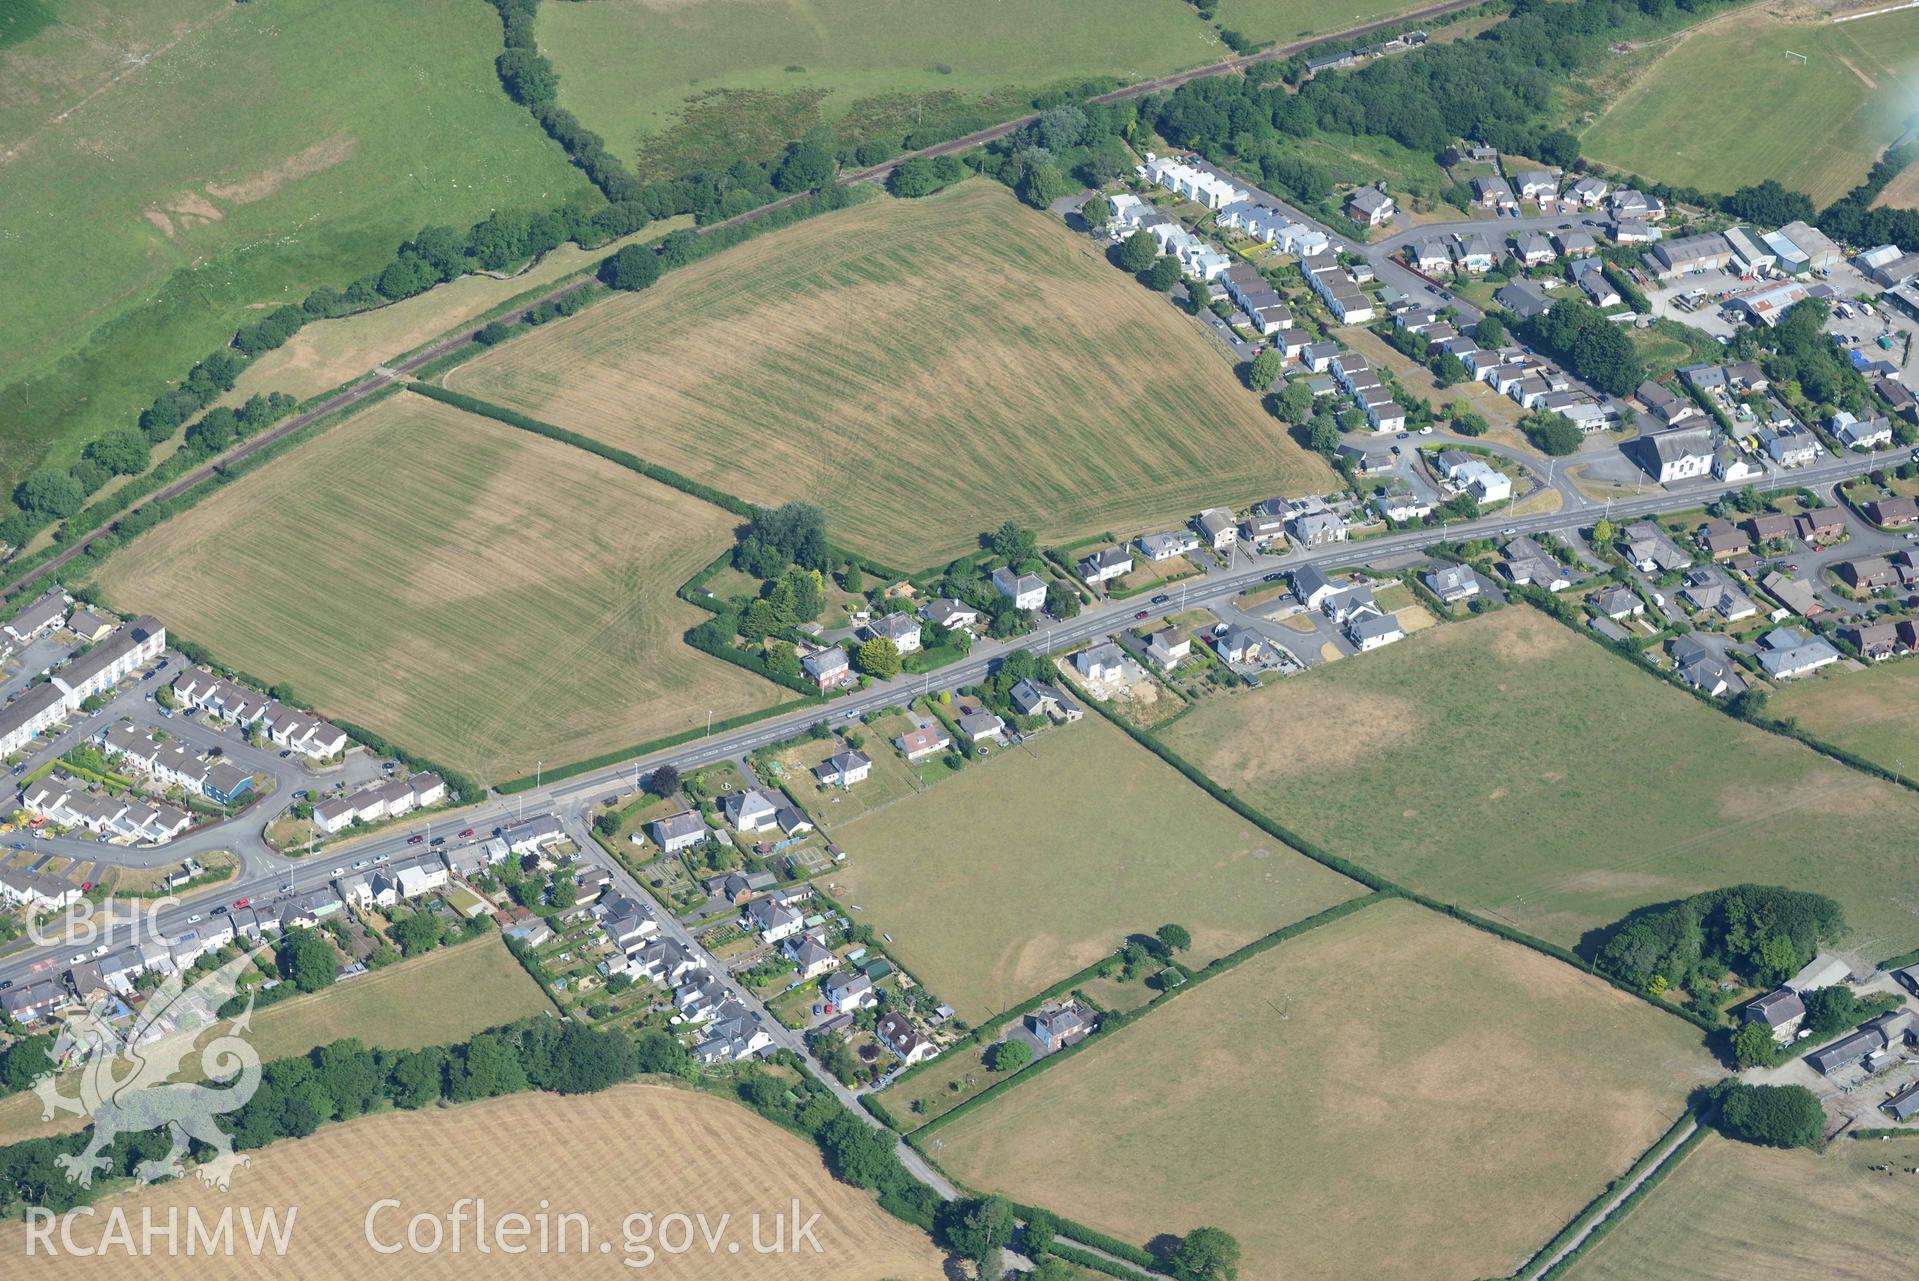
<point>1731,1210</point>
<point>486,597</point>
<point>1038,861</point>
<point>436,999</point>
<point>923,370</point>
<point>1873,713</point>
<point>1507,765</point>
<point>1392,1095</point>
<point>680,83</point>
<point>166,167</point>
<point>1815,127</point>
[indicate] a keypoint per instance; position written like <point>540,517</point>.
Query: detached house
<point>828,668</point>
<point>750,810</point>
<point>899,1035</point>
<point>916,745</point>
<point>676,832</point>
<point>1026,591</point>
<point>843,769</point>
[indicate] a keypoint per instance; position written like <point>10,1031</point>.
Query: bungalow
<point>899,1035</point>
<point>1598,290</point>
<point>1619,603</point>
<point>1039,698</point>
<point>750,810</point>
<point>1371,207</point>
<point>1373,631</point>
<point>1217,528</point>
<point>1788,653</point>
<point>843,769</point>
<point>1721,538</point>
<point>828,668</point>
<point>950,614</point>
<point>1165,546</point>
<point>1365,461</point>
<point>1708,589</point>
<point>1451,583</point>
<point>1401,506</point>
<point>1524,299</point>
<point>1796,594</point>
<point>1525,562</point>
<point>1103,662</point>
<point>901,629</point>
<point>47,613</point>
<point>1168,647</point>
<point>978,727</point>
<point>1893,513</point>
<point>676,832</point>
<point>918,744</point>
<point>1026,591</point>
<point>1105,565</point>
<point>31,1002</point>
<point>1703,668</point>
<point>1649,548</point>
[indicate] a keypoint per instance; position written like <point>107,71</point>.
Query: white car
<point>194,919</point>
<point>102,950</point>
<point>78,958</point>
<point>338,871</point>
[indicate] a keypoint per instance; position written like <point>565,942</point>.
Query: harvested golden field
<point>436,999</point>
<point>1034,863</point>
<point>1391,1095</point>
<point>1731,1211</point>
<point>635,1149</point>
<point>484,596</point>
<point>922,369</point>
<point>327,353</point>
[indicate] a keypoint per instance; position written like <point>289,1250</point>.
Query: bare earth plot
<point>1874,713</point>
<point>436,999</point>
<point>1732,1211</point>
<point>1815,126</point>
<point>1510,766</point>
<point>487,597</point>
<point>1392,1095</point>
<point>633,1149</point>
<point>1022,869</point>
<point>922,369</point>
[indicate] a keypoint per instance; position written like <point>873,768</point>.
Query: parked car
<point>466,831</point>
<point>1275,576</point>
<point>220,910</point>
<point>338,871</point>
<point>245,902</point>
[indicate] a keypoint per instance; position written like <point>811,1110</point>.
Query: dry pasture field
<point>924,370</point>
<point>1874,713</point>
<point>632,1149</point>
<point>1731,1211</point>
<point>487,597</point>
<point>1030,865</point>
<point>1512,766</point>
<point>437,999</point>
<point>1391,1095</point>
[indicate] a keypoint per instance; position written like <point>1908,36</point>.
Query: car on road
<point>1161,599</point>
<point>439,840</point>
<point>414,840</point>
<point>365,862</point>
<point>1404,435</point>
<point>245,902</point>
<point>78,958</point>
<point>338,871</point>
<point>1275,576</point>
<point>1142,614</point>
<point>194,919</point>
<point>18,770</point>
<point>102,950</point>
<point>220,910</point>
<point>1427,430</point>
<point>5,984</point>
<point>466,831</point>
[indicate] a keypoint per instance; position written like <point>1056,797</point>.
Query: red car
<point>466,831</point>
<point>1141,614</point>
<point>243,902</point>
<point>414,840</point>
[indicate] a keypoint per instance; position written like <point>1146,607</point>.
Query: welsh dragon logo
<point>125,1077</point>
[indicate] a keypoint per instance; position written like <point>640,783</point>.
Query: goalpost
<point>1791,56</point>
